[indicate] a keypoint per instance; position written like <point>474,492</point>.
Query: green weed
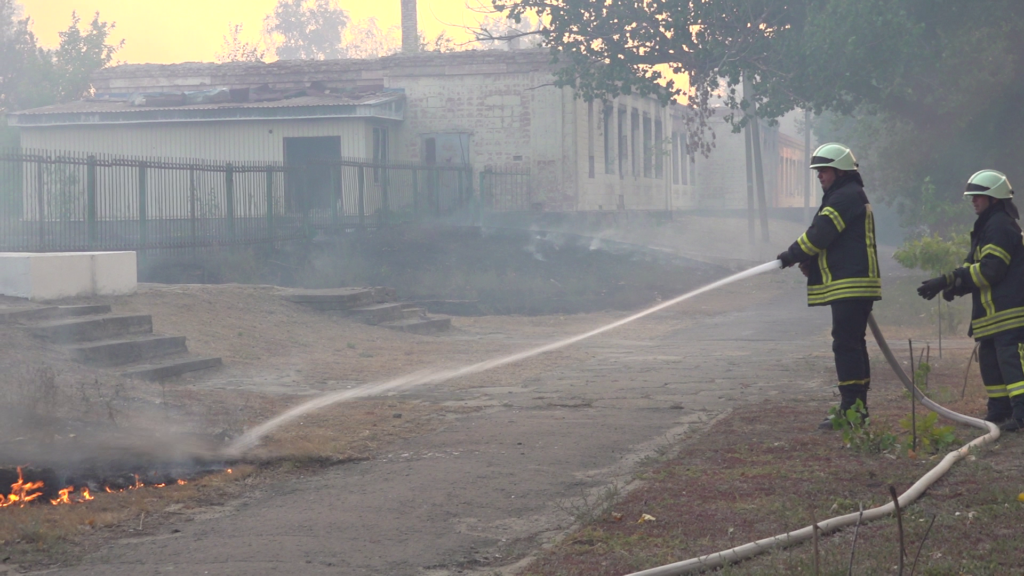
<point>853,424</point>
<point>931,437</point>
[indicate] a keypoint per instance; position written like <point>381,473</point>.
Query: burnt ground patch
<point>501,271</point>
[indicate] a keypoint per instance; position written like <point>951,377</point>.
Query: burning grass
<point>121,504</point>
<point>43,534</point>
<point>763,471</point>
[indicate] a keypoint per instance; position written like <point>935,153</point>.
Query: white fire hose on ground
<point>719,559</point>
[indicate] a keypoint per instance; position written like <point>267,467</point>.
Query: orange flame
<point>24,492</point>
<point>21,492</point>
<point>65,497</point>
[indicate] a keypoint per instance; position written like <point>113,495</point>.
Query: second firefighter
<point>839,257</point>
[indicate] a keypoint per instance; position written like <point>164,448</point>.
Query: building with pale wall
<point>493,110</point>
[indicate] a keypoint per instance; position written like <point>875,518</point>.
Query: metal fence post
<point>192,204</point>
<point>362,204</point>
<point>415,194</point>
<point>437,192</point>
<point>229,193</point>
<point>90,199</point>
<point>474,202</point>
<point>41,202</point>
<point>335,194</point>
<point>458,187</point>
<point>481,187</point>
<point>270,202</point>
<point>143,207</point>
<point>385,204</point>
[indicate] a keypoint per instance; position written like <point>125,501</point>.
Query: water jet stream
<point>252,437</point>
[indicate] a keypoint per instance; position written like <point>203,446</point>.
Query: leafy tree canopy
<point>938,82</point>
<point>306,29</point>
<point>32,76</point>
<point>235,49</point>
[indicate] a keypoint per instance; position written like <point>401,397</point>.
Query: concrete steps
<point>43,313</point>
<point>340,298</point>
<point>120,352</point>
<point>374,306</point>
<point>170,368</point>
<point>378,313</point>
<point>91,335</point>
<point>420,325</point>
<point>92,328</point>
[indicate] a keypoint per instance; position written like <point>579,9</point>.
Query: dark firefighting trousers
<point>853,368</point>
<point>1002,372</point>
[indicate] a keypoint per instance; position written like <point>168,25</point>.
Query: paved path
<point>487,486</point>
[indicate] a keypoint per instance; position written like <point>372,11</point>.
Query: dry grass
<point>764,471</point>
<point>41,534</point>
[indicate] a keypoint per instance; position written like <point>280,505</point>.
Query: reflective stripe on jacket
<point>839,247</point>
<point>994,274</point>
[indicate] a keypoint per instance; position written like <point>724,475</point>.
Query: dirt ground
<point>472,476</point>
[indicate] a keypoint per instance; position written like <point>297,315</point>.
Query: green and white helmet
<point>833,155</point>
<point>989,183</point>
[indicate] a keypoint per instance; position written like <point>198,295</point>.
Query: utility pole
<point>755,133</point>
<point>807,158</point>
<point>750,184</point>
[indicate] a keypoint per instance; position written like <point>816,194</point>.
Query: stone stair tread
<point>92,328</point>
<point>25,314</point>
<point>325,294</point>
<point>339,298</point>
<point>420,325</point>
<point>171,368</point>
<point>125,351</point>
<point>83,321</point>
<point>83,310</point>
<point>375,307</point>
<point>102,343</point>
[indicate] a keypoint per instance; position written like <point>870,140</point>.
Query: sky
<point>193,30</point>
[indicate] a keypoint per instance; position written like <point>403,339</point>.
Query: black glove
<point>930,288</point>
<point>787,259</point>
<point>805,268</point>
<point>948,294</point>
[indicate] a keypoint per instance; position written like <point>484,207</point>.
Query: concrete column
<point>410,29</point>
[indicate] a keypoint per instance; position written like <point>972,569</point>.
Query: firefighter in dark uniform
<point>993,274</point>
<point>839,258</point>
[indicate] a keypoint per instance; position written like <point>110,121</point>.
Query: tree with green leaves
<point>33,76</point>
<point>306,29</point>
<point>366,39</point>
<point>235,49</point>
<point>938,80</point>
<point>79,54</point>
<point>26,70</point>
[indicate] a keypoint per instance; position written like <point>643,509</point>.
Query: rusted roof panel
<point>385,105</point>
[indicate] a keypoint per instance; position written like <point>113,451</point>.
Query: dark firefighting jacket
<point>993,274</point>
<point>838,250</point>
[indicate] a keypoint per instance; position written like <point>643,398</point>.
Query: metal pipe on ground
<point>733,555</point>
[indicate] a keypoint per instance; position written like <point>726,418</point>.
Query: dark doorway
<point>310,163</point>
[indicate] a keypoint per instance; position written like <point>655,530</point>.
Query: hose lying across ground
<point>745,551</point>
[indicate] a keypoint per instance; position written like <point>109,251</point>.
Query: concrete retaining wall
<point>55,275</point>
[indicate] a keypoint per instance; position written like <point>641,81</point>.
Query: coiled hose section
<point>719,559</point>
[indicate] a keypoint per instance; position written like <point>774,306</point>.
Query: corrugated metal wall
<point>235,141</point>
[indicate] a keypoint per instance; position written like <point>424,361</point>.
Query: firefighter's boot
<point>849,395</point>
<point>999,410</point>
<point>1016,421</point>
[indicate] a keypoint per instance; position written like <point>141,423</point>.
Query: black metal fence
<point>508,190</point>
<point>54,201</point>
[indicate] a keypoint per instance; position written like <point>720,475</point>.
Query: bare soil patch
<point>763,471</point>
<point>277,354</point>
